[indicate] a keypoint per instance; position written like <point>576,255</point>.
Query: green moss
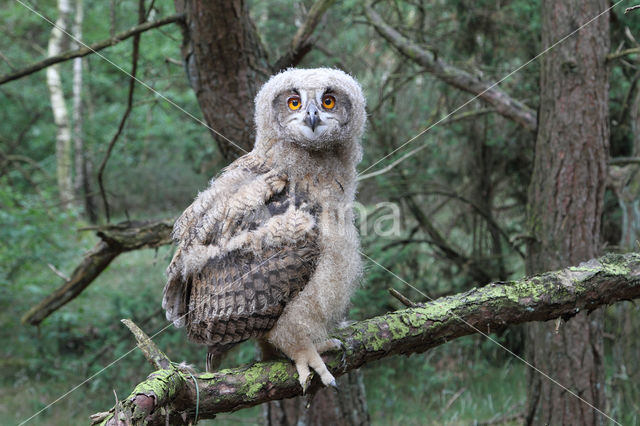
<point>156,384</point>
<point>206,376</point>
<point>398,324</point>
<point>616,268</point>
<point>252,379</point>
<point>278,372</point>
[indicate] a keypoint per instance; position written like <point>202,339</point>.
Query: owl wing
<point>241,258</point>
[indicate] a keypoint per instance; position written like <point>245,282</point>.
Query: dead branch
<point>623,161</point>
<point>504,104</point>
<point>156,357</point>
<point>632,8</point>
<point>115,239</point>
<point>561,294</point>
<point>95,47</point>
<point>301,43</point>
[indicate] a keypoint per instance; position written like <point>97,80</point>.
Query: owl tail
<point>214,358</point>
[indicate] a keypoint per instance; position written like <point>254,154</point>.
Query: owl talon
<point>305,384</point>
<point>334,385</point>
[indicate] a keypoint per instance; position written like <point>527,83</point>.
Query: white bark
<point>59,107</point>
<point>78,143</point>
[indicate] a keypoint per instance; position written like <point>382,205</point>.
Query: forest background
<point>448,212</point>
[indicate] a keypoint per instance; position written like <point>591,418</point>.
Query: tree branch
<point>84,51</point>
<point>626,52</point>
<point>504,104</point>
<point>301,43</point>
<point>623,161</point>
<point>540,298</point>
<point>116,239</point>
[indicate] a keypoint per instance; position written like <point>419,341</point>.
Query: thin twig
<point>95,47</point>
<point>621,161</point>
<point>453,399</point>
<point>622,53</point>
<point>58,272</point>
<point>301,43</point>
<point>402,298</point>
<point>132,85</point>
<point>632,8</point>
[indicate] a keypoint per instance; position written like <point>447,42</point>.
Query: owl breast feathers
<point>270,250</point>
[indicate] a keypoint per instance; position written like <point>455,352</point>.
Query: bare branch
<point>504,104</point>
<point>116,239</point>
<point>448,251</point>
<point>95,47</point>
<point>632,8</point>
<point>623,53</point>
<point>154,355</point>
<point>552,295</point>
<point>621,161</point>
<point>301,43</point>
<point>402,298</point>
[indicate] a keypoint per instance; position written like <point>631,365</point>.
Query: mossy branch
<point>540,298</point>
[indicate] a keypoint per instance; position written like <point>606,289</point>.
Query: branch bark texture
<point>225,60</point>
<point>566,202</point>
<point>540,298</point>
<point>504,104</point>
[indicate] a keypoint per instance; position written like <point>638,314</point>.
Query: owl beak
<point>313,117</point>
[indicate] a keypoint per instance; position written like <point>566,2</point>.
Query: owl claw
<point>343,355</point>
<point>305,384</point>
<point>333,385</point>
<point>334,345</point>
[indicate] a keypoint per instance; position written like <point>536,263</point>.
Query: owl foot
<point>310,358</point>
<point>333,345</point>
<point>329,345</point>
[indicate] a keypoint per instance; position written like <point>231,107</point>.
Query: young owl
<point>270,249</point>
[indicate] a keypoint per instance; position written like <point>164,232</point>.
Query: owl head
<point>314,109</point>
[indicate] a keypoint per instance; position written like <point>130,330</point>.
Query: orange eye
<point>294,103</point>
<point>328,101</point>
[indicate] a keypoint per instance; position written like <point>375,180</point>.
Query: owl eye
<point>294,103</point>
<point>328,101</point>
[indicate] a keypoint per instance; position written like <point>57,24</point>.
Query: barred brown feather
<point>241,295</point>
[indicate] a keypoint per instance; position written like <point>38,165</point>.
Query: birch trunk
<point>59,108</point>
<point>78,143</point>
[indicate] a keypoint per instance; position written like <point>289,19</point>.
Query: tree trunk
<point>566,203</point>
<point>226,65</point>
<point>59,108</point>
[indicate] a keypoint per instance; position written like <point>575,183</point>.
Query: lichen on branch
<point>172,392</point>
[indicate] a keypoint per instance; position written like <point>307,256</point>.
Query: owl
<point>270,250</point>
